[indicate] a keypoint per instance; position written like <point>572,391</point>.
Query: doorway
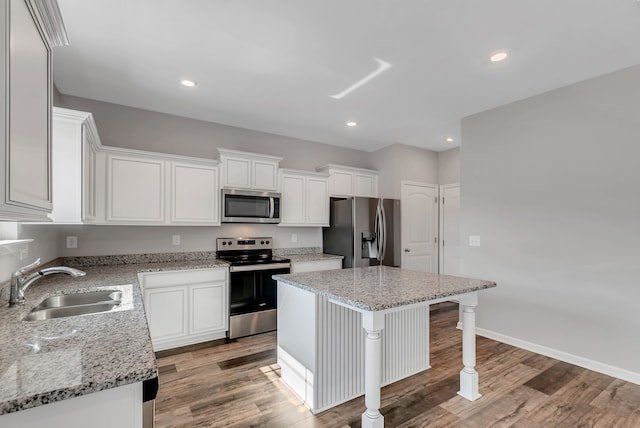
<point>450,229</point>
<point>419,215</point>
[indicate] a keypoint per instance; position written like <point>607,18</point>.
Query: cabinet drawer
<point>180,277</point>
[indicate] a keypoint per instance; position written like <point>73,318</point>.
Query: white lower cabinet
<point>184,307</point>
<point>97,407</point>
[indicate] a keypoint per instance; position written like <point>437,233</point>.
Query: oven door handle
<point>250,268</point>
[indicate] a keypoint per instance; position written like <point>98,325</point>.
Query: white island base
<point>321,347</point>
<point>330,352</point>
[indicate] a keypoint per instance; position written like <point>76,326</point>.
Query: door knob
<point>406,250</point>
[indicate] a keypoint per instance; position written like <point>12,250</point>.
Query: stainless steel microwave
<point>247,206</point>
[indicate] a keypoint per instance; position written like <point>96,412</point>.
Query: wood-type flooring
<point>237,384</point>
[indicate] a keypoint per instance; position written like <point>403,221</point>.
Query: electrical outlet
<point>175,240</point>
<point>474,241</point>
<point>294,237</point>
<point>72,242</point>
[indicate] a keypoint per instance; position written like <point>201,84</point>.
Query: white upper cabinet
<point>74,145</point>
<point>345,181</point>
<point>243,170</point>
<point>189,204</point>
<point>25,110</point>
<point>155,189</point>
<point>135,189</point>
<point>109,185</point>
<point>305,198</point>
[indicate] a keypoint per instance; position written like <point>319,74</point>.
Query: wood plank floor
<point>237,384</point>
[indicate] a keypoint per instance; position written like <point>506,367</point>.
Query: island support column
<point>469,375</point>
<point>373,324</point>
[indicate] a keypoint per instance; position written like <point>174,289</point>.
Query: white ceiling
<point>271,65</point>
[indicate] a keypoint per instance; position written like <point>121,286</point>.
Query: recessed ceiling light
<point>449,140</point>
<point>498,56</point>
<point>188,83</point>
<point>351,124</point>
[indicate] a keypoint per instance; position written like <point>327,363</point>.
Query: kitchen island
<point>345,332</point>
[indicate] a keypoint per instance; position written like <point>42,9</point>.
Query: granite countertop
<point>313,257</point>
<point>52,360</point>
<point>382,287</point>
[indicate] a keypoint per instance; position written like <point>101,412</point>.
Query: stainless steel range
<point>252,292</point>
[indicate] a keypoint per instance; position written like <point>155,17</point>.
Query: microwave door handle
<point>272,207</point>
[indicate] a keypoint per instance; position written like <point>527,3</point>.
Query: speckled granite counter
<point>300,258</point>
<point>381,287</point>
<point>47,361</point>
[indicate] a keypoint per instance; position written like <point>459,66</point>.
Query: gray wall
<point>399,162</point>
<point>551,184</point>
<point>449,166</point>
<point>133,128</point>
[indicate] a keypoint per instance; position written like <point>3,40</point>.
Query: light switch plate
<point>474,241</point>
<point>175,240</point>
<point>294,237</point>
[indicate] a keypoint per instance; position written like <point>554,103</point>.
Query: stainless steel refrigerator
<point>366,231</point>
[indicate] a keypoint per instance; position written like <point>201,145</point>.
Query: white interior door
<point>419,226</point>
<point>450,229</point>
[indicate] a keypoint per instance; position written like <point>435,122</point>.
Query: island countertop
<point>46,361</point>
<point>378,288</point>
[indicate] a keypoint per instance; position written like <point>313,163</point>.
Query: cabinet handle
<point>406,250</point>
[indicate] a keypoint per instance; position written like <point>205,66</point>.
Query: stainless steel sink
<point>68,305</point>
<point>69,311</point>
<point>87,298</point>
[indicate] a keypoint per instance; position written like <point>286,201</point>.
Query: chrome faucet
<point>20,283</point>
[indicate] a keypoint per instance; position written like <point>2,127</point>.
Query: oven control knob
<point>267,242</point>
<point>230,243</point>
<point>261,242</point>
<point>224,242</point>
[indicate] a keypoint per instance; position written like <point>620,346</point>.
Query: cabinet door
<point>89,188</point>
<point>317,201</point>
<point>366,185</point>
<point>264,175</point>
<point>135,190</point>
<point>195,194</point>
<point>292,208</point>
<point>66,160</point>
<point>166,310</point>
<point>341,183</point>
<point>208,308</point>
<point>26,113</point>
<point>236,172</point>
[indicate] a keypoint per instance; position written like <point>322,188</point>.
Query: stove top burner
<point>247,251</point>
<point>254,261</point>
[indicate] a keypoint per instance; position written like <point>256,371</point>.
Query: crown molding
<point>50,20</point>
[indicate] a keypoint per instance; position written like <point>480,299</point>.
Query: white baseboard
<point>586,363</point>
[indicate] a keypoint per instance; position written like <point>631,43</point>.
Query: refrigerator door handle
<point>377,231</point>
<point>384,231</point>
<point>380,230</point>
